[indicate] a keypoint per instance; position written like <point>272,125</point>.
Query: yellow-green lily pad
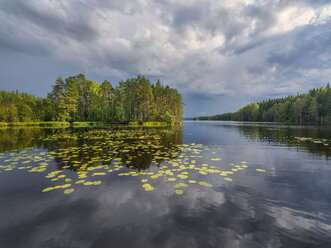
<point>205,184</point>
<point>179,192</point>
<point>68,191</point>
<point>47,189</point>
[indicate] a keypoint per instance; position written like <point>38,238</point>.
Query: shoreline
<point>83,124</point>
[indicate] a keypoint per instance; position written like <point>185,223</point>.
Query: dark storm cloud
<point>10,42</point>
<point>75,23</point>
<point>306,48</point>
<point>230,50</point>
<point>223,20</point>
<point>188,15</point>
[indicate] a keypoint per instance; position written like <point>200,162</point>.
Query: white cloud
<point>237,48</point>
<point>291,18</point>
<point>325,15</point>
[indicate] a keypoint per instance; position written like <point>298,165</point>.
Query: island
<point>76,99</point>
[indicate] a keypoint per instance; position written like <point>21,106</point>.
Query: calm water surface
<point>206,184</point>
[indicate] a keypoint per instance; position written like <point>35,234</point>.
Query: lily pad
<point>98,174</point>
<point>149,188</point>
<point>180,185</point>
<point>205,184</point>
<point>179,192</point>
<point>47,189</point>
<point>68,191</point>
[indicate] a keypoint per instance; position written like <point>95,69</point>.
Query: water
<point>278,194</point>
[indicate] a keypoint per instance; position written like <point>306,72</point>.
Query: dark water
<point>236,185</point>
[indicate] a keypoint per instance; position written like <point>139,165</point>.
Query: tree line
<point>311,107</point>
<point>79,99</point>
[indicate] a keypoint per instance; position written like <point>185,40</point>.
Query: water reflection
<point>315,140</point>
<point>135,147</point>
<point>286,206</point>
<point>19,139</point>
<point>311,139</point>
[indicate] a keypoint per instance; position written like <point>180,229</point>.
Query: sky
<point>220,54</point>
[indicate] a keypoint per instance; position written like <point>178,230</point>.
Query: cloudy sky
<point>220,54</point>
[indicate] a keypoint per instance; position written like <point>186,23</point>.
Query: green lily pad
<point>205,184</point>
<point>180,185</point>
<point>47,189</point>
<point>68,191</point>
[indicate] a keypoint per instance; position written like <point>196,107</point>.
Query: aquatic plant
<point>98,153</point>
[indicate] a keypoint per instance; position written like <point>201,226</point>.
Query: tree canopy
<point>311,107</point>
<point>78,99</point>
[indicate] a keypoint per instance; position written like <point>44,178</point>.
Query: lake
<point>205,184</point>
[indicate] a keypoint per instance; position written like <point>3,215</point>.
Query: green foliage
<point>22,107</point>
<point>169,118</point>
<point>313,107</point>
<point>77,99</point>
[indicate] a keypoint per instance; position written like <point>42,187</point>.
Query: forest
<point>313,107</point>
<point>78,99</point>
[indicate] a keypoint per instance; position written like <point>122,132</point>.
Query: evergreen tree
<point>78,99</point>
<point>313,107</point>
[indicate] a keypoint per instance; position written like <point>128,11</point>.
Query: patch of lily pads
<point>324,142</point>
<point>95,154</point>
